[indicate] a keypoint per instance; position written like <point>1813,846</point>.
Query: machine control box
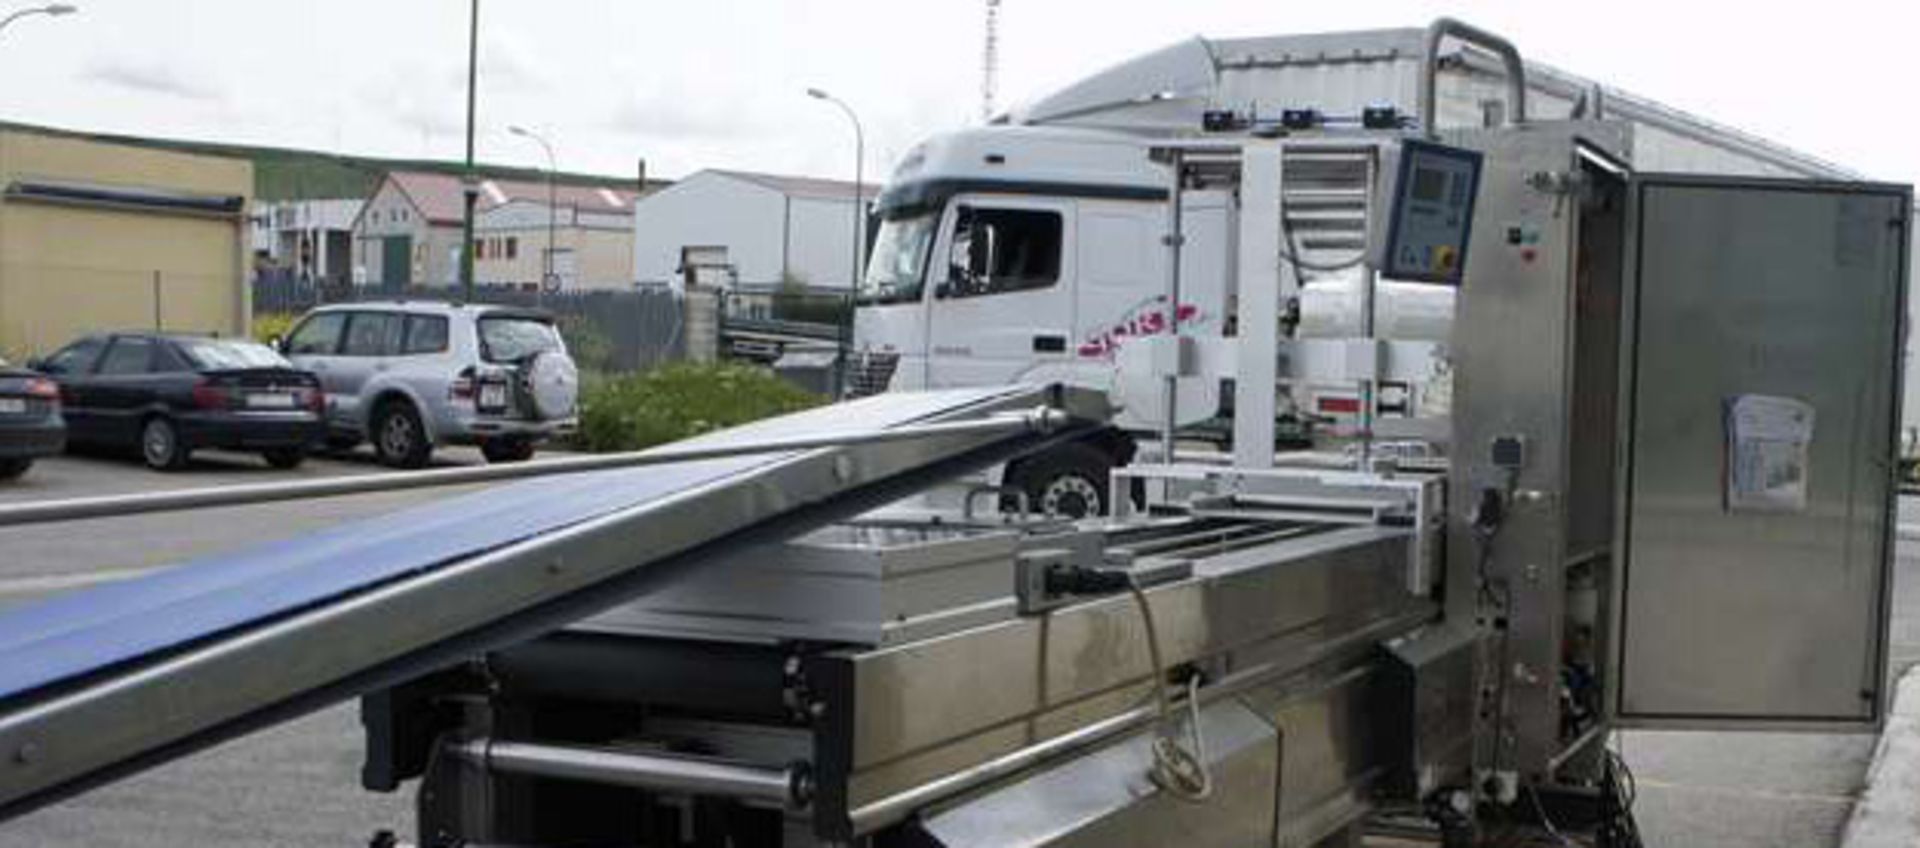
<point>1429,213</point>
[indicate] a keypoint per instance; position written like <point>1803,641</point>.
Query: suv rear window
<point>513,338</point>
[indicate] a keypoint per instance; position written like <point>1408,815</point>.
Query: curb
<point>1888,813</point>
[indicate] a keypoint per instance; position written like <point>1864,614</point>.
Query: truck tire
<point>11,469</point>
<point>399,439</point>
<point>1066,481</point>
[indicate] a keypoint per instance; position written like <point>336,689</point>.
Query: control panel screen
<point>1431,215</point>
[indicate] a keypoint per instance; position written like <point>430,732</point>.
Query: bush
<point>270,325</point>
<point>676,401</point>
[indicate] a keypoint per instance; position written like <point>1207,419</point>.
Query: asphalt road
<point>296,785</point>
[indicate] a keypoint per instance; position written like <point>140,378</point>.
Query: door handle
<point>1049,343</point>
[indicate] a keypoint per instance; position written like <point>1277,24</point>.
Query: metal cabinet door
<point>1731,615</point>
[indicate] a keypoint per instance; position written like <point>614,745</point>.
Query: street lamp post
<point>469,181</point>
<point>53,10</point>
<point>859,232</point>
<point>546,267</point>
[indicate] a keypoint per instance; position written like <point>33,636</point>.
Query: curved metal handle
<point>1509,55</point>
<point>1019,499</point>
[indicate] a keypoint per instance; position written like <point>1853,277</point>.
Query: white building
<point>311,238</point>
<point>746,228</point>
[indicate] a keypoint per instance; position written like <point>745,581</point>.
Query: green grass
<point>673,402</point>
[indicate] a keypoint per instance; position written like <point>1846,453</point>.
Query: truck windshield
<point>899,261</point>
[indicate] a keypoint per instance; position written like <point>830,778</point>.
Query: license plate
<point>13,406</point>
<point>270,401</point>
<point>493,395</point>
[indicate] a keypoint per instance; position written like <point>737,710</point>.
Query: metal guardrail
<point>1039,420</point>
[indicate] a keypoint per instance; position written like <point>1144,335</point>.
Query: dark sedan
<point>30,422</point>
<point>167,395</point>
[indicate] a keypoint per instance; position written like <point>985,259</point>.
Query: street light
<point>469,178</point>
<point>546,269</point>
<point>859,228</point>
<point>55,10</point>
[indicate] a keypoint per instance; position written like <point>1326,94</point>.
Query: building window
<point>480,249</point>
<point>375,215</point>
<point>513,248</point>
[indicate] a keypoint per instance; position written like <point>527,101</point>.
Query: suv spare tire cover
<point>553,384</point>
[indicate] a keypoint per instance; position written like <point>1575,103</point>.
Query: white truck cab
<point>1029,254</point>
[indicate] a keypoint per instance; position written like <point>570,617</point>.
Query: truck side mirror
<point>278,344</point>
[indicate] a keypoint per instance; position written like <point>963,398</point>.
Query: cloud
<point>687,116</point>
<point>152,77</point>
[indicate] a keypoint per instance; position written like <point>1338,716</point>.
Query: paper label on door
<point>1767,446</point>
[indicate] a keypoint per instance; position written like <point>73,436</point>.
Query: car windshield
<point>227,355</point>
<point>511,339</point>
<point>898,265</point>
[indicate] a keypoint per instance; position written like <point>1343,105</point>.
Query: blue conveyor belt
<point>94,630</point>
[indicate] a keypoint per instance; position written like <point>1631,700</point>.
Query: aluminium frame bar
<point>1041,420</point>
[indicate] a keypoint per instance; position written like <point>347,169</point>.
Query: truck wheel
<point>399,439</point>
<point>506,450</point>
<point>1068,481</point>
<point>160,445</point>
<point>11,469</point>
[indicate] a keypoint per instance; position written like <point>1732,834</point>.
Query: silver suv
<point>410,375</point>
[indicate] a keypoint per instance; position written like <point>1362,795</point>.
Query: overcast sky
<point>721,82</point>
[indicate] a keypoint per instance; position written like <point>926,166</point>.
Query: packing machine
<point>1658,493</point>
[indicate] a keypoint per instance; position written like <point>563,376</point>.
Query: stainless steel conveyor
<point>101,683</point>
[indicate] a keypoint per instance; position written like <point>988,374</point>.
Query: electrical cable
<point>1540,810</point>
<point>1181,772</point>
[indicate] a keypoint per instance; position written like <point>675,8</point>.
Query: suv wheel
<point>160,445</point>
<point>12,468</point>
<point>507,450</point>
<point>399,439</point>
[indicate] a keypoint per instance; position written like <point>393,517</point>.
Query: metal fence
<point>615,331</point>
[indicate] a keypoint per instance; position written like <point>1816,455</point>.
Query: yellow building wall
<point>69,270</point>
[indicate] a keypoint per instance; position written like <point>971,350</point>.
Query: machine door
<point>1764,376</point>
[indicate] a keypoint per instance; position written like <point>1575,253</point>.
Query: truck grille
<point>869,373</point>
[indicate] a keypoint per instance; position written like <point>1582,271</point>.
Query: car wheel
<point>399,440</point>
<point>11,469</point>
<point>1068,481</point>
<point>507,450</point>
<point>160,445</point>
<point>284,458</point>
